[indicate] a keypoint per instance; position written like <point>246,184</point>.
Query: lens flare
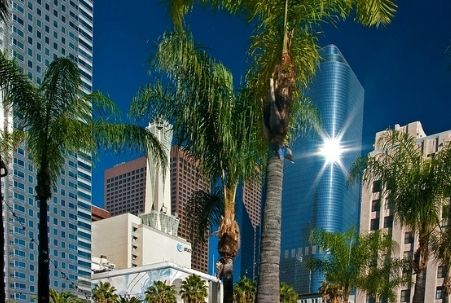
<point>331,150</point>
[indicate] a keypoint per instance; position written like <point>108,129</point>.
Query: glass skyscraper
<point>315,193</point>
<point>37,32</point>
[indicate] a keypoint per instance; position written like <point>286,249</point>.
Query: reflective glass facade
<point>315,193</point>
<point>37,32</point>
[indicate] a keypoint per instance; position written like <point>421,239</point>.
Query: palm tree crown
<point>245,291</point>
<point>160,292</point>
<point>104,292</point>
<point>193,290</point>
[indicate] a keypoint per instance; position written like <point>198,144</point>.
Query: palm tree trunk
<point>268,281</point>
<point>229,242</point>
<point>43,190</point>
<point>420,262</point>
<point>420,287</point>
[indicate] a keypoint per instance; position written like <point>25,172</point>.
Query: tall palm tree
<point>288,294</point>
<point>160,292</point>
<point>215,125</point>
<point>245,291</point>
<point>62,297</point>
<point>284,55</point>
<point>104,292</point>
<point>415,184</point>
<point>441,248</point>
<point>58,120</point>
<point>194,290</point>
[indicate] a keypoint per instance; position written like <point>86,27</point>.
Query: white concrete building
<point>126,242</point>
<point>376,213</point>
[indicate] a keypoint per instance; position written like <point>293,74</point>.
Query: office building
<point>315,192</point>
<point>376,213</point>
<point>124,187</point>
<point>186,178</point>
<point>127,241</point>
<point>37,32</point>
<point>248,209</point>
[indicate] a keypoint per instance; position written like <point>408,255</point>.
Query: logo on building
<point>182,248</point>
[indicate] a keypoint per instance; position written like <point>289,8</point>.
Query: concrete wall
<point>112,238</point>
<point>155,246</point>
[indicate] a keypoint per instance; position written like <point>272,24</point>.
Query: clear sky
<point>403,67</point>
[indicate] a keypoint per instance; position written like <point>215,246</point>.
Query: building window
<point>374,224</point>
<point>439,293</point>
<point>405,295</point>
<point>388,222</point>
<point>440,272</point>
<point>408,237</point>
<point>377,186</point>
<point>375,205</point>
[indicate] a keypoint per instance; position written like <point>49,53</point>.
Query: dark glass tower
<point>315,193</point>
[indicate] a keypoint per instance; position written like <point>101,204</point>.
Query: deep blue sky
<point>403,67</point>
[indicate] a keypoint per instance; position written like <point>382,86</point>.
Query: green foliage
<point>244,291</point>
<point>209,209</point>
<point>62,297</point>
<point>288,294</point>
<point>160,292</point>
<point>129,300</point>
<point>194,290</point>
<point>212,123</point>
<point>353,261</point>
<point>104,292</point>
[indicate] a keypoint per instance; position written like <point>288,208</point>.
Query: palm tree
<point>62,297</point>
<point>383,273</point>
<point>129,300</point>
<point>193,290</point>
<point>284,53</point>
<point>287,294</point>
<point>59,121</point>
<point>415,184</point>
<point>440,246</point>
<point>104,292</point>
<point>215,125</point>
<point>356,261</point>
<point>160,292</point>
<point>245,291</point>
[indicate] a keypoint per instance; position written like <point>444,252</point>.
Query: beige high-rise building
<point>128,241</point>
<point>186,178</point>
<point>376,213</point>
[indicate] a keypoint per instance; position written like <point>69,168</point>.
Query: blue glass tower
<point>315,192</point>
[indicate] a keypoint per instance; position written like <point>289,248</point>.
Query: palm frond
<point>4,8</point>
<point>10,141</point>
<point>375,12</point>
<point>208,208</point>
<point>305,118</point>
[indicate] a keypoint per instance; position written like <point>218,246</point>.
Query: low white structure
<point>135,281</point>
<point>126,242</point>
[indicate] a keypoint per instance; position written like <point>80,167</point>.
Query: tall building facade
<point>124,187</point>
<point>376,214</point>
<point>186,178</point>
<point>37,32</point>
<point>315,193</point>
<point>248,215</point>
